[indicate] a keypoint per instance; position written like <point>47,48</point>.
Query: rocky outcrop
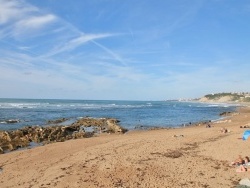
<point>57,121</point>
<point>229,113</point>
<point>225,113</point>
<point>108,125</point>
<point>12,140</point>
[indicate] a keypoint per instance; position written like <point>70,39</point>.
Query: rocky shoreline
<point>82,128</point>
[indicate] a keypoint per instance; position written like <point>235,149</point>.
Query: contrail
<point>116,56</point>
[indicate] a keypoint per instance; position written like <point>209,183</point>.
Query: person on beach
<point>241,168</point>
<point>208,125</point>
<point>223,130</point>
<point>246,160</point>
<point>244,167</point>
<point>237,162</point>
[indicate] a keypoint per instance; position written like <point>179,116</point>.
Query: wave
<point>68,105</point>
<point>19,105</point>
<point>225,105</point>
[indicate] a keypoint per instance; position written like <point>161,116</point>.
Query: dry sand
<point>199,158</point>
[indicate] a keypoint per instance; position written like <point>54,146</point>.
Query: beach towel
<point>246,134</point>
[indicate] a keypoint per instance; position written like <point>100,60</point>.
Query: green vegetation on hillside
<point>246,99</point>
<point>239,97</point>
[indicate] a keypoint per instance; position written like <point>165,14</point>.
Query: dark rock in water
<point>12,121</point>
<point>226,113</point>
<point>141,127</point>
<point>12,140</point>
<point>57,121</point>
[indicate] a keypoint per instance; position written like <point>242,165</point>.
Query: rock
<point>77,135</point>
<point>12,121</point>
<point>102,124</point>
<point>87,122</point>
<point>10,147</point>
<point>57,121</point>
<point>113,127</point>
<point>225,113</point>
<point>245,181</point>
<point>1,150</point>
<point>12,140</point>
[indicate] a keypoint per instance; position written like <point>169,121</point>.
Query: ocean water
<point>31,112</point>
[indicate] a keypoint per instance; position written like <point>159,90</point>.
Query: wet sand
<point>185,157</point>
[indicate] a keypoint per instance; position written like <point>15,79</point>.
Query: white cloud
<point>13,10</point>
<point>35,22</point>
<point>24,21</point>
<point>32,25</point>
<point>21,19</point>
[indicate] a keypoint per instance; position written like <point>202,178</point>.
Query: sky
<point>123,50</point>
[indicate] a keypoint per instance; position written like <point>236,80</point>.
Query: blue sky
<point>130,50</point>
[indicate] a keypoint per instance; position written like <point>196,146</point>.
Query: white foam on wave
<point>225,105</point>
<point>213,105</point>
<point>19,105</point>
<point>79,117</point>
<point>204,105</point>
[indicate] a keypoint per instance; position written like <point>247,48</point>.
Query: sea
<point>18,113</point>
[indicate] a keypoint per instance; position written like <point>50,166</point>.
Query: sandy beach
<point>185,157</point>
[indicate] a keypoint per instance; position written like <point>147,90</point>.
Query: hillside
<point>226,97</point>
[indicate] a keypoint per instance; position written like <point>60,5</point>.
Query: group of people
<point>241,164</point>
<point>222,130</point>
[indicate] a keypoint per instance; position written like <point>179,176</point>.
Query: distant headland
<point>226,97</point>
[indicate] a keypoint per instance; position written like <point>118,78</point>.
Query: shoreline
<point>22,142</point>
<point>58,130</point>
<point>129,120</point>
<point>152,158</point>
